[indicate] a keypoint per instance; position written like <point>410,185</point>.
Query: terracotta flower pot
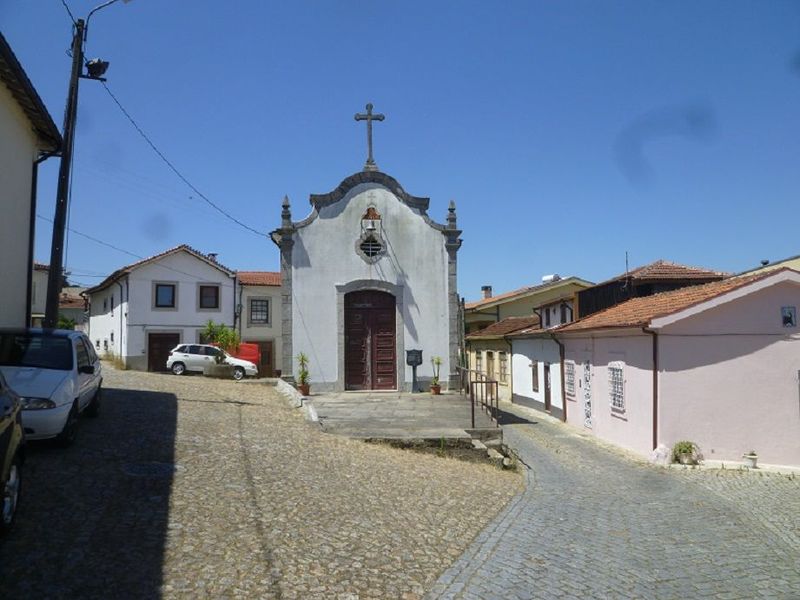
<point>304,388</point>
<point>436,389</point>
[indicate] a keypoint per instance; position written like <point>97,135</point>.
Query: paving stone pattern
<point>594,523</point>
<point>186,487</point>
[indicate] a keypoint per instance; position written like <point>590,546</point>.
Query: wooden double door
<point>158,347</point>
<point>370,341</point>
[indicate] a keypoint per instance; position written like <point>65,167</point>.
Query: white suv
<point>196,357</point>
<point>57,375</point>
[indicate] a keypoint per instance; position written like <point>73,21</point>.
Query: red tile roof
<point>69,301</point>
<point>505,327</point>
<point>639,312</point>
<point>128,268</point>
<point>259,278</point>
<point>661,270</point>
<point>524,290</point>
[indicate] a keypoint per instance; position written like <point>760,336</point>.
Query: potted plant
<point>750,459</point>
<point>436,388</point>
<point>685,453</point>
<point>303,383</point>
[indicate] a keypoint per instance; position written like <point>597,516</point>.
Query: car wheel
<point>94,405</point>
<point>178,368</point>
<point>238,373</point>
<point>11,492</point>
<point>70,431</point>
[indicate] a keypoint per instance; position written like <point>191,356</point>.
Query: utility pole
<point>55,276</point>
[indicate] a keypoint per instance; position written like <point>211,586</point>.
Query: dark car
<point>12,444</point>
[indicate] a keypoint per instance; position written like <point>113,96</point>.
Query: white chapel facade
<point>367,276</point>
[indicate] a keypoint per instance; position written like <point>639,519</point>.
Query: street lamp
<point>96,68</point>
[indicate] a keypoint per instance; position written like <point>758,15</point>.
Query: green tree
<point>65,323</point>
<point>221,335</point>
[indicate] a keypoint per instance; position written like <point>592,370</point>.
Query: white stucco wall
<point>262,333</point>
<point>633,427</point>
<point>324,256</point>
<point>730,379</point>
<point>18,151</point>
<point>541,351</point>
<point>106,326</point>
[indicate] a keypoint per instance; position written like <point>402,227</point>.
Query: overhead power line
<point>69,12</point>
<point>194,277</point>
<point>174,169</point>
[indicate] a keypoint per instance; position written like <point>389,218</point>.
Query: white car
<point>196,357</point>
<point>57,375</point>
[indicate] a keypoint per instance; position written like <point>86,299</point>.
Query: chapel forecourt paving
<point>192,487</point>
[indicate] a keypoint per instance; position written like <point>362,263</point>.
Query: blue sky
<point>567,132</point>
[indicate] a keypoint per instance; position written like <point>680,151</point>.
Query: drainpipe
<point>119,283</point>
<point>561,355</point>
<point>655,383</point>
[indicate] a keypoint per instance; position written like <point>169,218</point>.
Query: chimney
<point>213,256</point>
<point>486,290</point>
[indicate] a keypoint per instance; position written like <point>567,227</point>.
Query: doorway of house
<point>158,347</point>
<point>370,341</point>
<point>265,368</point>
<point>547,400</point>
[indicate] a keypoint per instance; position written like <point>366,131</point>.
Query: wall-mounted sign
<point>789,316</point>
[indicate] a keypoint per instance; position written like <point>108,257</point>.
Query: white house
<point>259,309</point>
<point>141,311</point>
<point>367,276</point>
<point>27,136</point>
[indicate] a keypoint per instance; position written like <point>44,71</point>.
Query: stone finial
<point>286,213</point>
<point>451,215</point>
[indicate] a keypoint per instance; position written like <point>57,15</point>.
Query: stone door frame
<point>381,286</point>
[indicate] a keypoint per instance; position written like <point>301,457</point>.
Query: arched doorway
<point>369,341</point>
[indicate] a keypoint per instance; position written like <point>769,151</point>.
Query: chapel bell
<point>371,224</point>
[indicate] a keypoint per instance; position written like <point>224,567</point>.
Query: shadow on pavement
<point>509,418</point>
<point>93,517</point>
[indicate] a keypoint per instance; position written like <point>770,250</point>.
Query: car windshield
<point>35,350</point>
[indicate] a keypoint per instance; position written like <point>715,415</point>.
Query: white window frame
<point>616,386</point>
<point>250,321</point>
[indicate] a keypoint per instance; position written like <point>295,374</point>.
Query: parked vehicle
<point>249,352</point>
<point>57,374</point>
<point>196,357</point>
<point>12,454</point>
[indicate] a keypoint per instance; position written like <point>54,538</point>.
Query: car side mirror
<point>86,370</point>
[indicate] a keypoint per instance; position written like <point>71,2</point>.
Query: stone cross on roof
<point>369,118</point>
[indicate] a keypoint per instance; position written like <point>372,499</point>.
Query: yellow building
<point>793,262</point>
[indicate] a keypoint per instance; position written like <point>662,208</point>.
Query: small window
<point>569,377</point>
<point>371,247</point>
<point>105,305</point>
<point>789,316</point>
<point>535,376</point>
<point>503,361</point>
<point>165,295</point>
<point>547,317</point>
<point>112,337</point>
<point>616,386</point>
<point>259,311</point>
<point>563,308</point>
<point>209,296</point>
<point>479,362</point>
<point>112,305</point>
<point>97,343</point>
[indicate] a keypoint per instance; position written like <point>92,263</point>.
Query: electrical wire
<point>174,169</point>
<point>69,12</point>
<point>195,278</point>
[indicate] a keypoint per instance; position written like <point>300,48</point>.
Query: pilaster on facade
<point>452,245</point>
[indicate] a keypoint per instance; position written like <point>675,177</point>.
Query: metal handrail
<point>482,390</point>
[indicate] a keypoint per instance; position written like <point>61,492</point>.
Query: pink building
<point>716,364</point>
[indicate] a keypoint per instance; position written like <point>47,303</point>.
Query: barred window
<point>259,311</point>
<point>371,247</point>
<point>503,360</point>
<point>569,376</point>
<point>616,386</point>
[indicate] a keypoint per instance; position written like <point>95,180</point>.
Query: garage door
<point>158,347</point>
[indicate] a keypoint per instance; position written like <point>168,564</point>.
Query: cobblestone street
<point>186,487</point>
<point>594,523</point>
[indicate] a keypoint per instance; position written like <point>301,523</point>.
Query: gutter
<point>655,383</point>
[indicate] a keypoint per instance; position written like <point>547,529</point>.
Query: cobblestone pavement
<point>594,523</point>
<point>186,487</point>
